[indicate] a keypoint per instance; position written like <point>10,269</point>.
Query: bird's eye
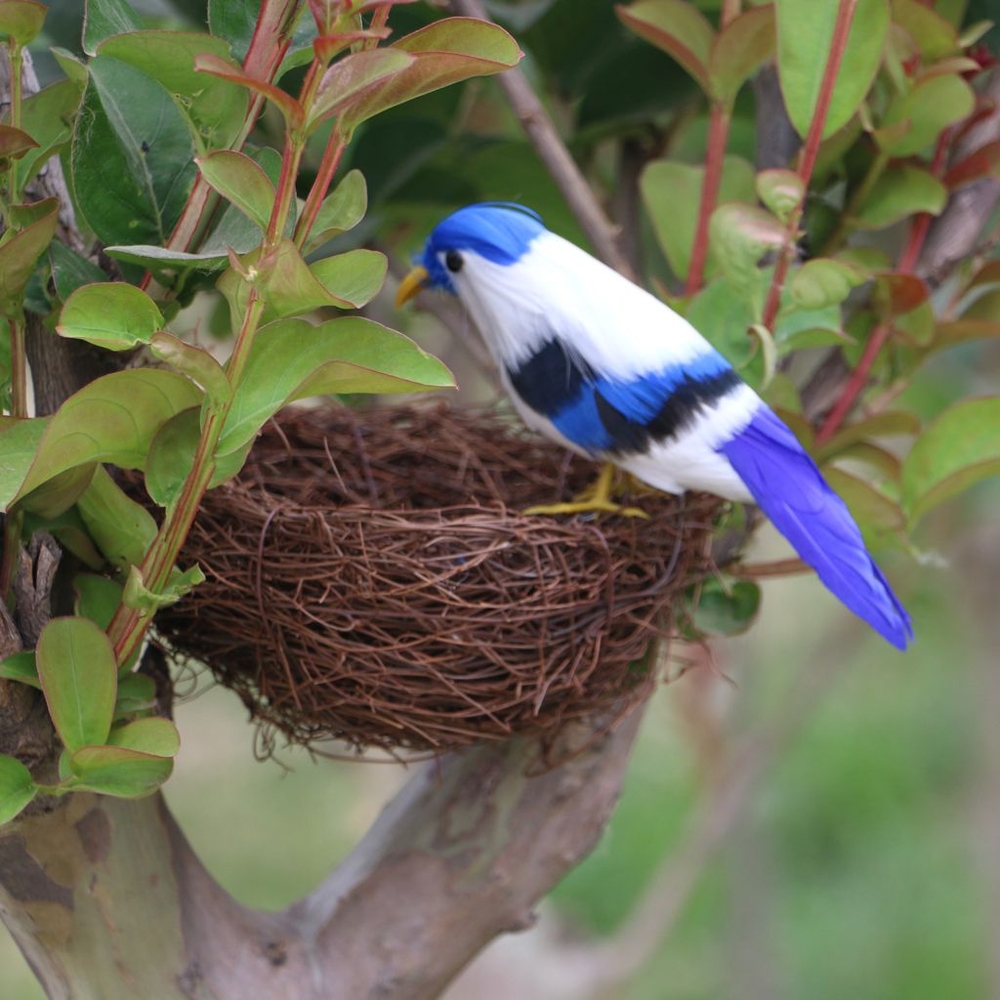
<point>453,261</point>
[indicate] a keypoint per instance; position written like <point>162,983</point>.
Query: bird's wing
<point>792,492</point>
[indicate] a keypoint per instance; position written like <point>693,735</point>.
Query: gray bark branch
<point>107,900</point>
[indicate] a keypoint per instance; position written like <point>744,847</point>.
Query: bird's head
<point>500,232</point>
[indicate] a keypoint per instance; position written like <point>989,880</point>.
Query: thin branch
<point>552,150</point>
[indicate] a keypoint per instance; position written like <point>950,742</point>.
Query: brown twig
<point>552,151</point>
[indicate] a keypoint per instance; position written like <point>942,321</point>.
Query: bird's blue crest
<point>500,231</point>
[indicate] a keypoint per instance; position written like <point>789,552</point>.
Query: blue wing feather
<point>792,492</point>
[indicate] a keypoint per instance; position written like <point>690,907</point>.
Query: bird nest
<point>371,578</point>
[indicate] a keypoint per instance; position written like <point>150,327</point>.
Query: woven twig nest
<point>370,578</point>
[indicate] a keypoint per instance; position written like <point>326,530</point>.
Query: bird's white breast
<point>558,290</point>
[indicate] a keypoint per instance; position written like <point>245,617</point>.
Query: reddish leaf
<point>678,28</point>
<point>327,46</point>
<point>899,293</point>
<point>14,143</point>
<point>226,70</point>
<point>984,162</point>
<point>349,80</point>
<point>447,51</point>
<point>739,50</point>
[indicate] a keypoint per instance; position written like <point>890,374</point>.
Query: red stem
<point>718,134</point>
<point>810,150</point>
<point>854,386</point>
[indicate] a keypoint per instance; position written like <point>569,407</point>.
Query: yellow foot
<point>595,500</point>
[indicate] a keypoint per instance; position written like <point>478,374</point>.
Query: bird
<point>596,363</point>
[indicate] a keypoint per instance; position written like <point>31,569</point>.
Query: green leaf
<point>353,78</point>
<point>112,419</point>
<point>140,598</point>
<point>242,181</point>
<point>934,36</point>
<point>155,735</point>
<point>19,441</point>
<point>341,210</point>
<point>21,667</point>
<point>739,50</point>
<point>103,18</point>
<point>71,270</point>
<point>167,264</point>
<point>136,693</point>
<point>110,314</point>
<point>292,360</point>
<point>21,20</point>
<point>446,51</point>
<point>234,229</point>
<point>291,287</point>
<point>875,512</point>
<point>17,787</point>
<point>235,21</point>
<point>18,254</point>
<point>822,282</point>
<point>781,191</point>
<point>171,458</point>
<point>216,108</point>
<point>121,528</point>
<point>901,191</point>
<point>724,609</point>
<point>914,120</point>
<point>798,327</point>
<point>672,194</point>
<point>956,451</point>
<point>131,129</point>
<point>194,362</point>
<point>741,235</point>
<point>804,33</point>
<point>47,117</point>
<point>55,496</point>
<point>79,676</point>
<point>723,317</point>
<point>892,423</point>
<point>354,277</point>
<point>97,598</point>
<point>119,771</point>
<point>676,27</point>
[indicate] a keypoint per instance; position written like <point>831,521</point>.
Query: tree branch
<point>461,854</point>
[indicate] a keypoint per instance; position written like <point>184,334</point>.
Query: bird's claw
<point>587,507</point>
<point>595,500</point>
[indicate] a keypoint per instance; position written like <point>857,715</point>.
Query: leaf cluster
<point>157,130</point>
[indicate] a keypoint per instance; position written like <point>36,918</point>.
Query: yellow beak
<point>410,285</point>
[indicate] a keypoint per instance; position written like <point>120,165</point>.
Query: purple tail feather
<point>792,492</point>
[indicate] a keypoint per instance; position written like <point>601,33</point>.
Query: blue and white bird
<point>601,366</point>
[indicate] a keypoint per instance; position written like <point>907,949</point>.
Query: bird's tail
<point>792,492</point>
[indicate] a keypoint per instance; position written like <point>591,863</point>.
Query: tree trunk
<point>107,900</point>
